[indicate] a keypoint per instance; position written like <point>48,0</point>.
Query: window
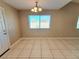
<point>39,21</point>
<point>78,23</point>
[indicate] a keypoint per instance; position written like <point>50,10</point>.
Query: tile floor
<point>44,49</point>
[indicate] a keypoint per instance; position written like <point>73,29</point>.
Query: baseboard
<point>50,38</point>
<point>16,42</point>
<point>28,38</point>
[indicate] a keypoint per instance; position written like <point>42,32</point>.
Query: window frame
<point>40,22</point>
<point>77,23</point>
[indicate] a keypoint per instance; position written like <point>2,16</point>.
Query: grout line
<point>56,42</point>
<point>19,52</point>
<point>41,47</point>
<point>49,49</point>
<point>61,51</point>
<point>65,45</point>
<point>32,49</point>
<point>22,50</point>
<point>72,49</point>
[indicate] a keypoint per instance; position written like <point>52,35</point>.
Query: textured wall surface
<point>12,22</point>
<point>63,23</point>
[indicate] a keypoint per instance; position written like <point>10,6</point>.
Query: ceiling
<point>45,4</point>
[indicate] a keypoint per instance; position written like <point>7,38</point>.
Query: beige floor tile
<point>71,57</point>
<point>35,58</point>
<point>53,47</point>
<point>36,47</point>
<point>67,52</point>
<point>57,54</point>
<point>22,58</point>
<point>25,53</point>
<point>59,44</point>
<point>14,53</point>
<point>47,58</point>
<point>1,58</point>
<point>75,52</point>
<point>59,58</point>
<point>68,45</point>
<point>35,53</point>
<point>44,49</point>
<point>46,53</point>
<point>9,58</point>
<point>28,45</point>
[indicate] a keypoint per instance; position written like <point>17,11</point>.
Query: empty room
<point>39,29</point>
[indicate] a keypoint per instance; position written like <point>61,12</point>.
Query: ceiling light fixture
<point>36,8</point>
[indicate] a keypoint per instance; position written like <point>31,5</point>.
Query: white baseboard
<point>27,38</point>
<point>50,38</point>
<point>16,42</point>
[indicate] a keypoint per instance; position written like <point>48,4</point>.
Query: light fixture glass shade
<point>40,9</point>
<point>32,10</point>
<point>36,8</point>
